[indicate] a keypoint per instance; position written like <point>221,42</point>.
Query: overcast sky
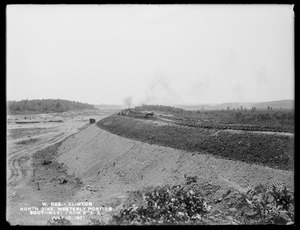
<point>155,54</point>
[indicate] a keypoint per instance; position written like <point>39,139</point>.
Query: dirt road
<point>19,155</point>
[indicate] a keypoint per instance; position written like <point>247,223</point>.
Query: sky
<point>150,54</point>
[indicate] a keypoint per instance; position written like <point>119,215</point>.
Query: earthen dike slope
<point>113,166</point>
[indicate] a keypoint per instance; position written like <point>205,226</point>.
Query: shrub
<point>270,207</point>
<point>180,206</point>
<point>165,206</point>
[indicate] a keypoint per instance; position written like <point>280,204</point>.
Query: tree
<point>45,105</point>
<point>58,106</point>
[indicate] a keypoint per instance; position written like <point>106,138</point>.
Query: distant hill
<point>234,106</point>
<point>44,106</point>
<point>195,107</point>
<point>284,104</point>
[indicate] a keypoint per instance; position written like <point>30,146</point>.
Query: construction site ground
<point>111,163</point>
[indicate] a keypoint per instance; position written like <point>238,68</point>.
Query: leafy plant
<point>165,206</point>
<point>270,207</point>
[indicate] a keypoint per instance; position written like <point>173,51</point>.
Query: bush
<point>177,205</point>
<point>270,207</point>
<point>165,206</point>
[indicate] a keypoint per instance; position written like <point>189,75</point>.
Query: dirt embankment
<point>114,166</point>
<point>272,150</point>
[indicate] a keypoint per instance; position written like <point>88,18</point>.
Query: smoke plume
<point>160,91</point>
<point>127,101</point>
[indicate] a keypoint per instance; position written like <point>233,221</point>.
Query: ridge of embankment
<point>113,166</point>
<point>272,150</point>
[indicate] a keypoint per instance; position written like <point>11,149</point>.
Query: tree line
<point>45,106</point>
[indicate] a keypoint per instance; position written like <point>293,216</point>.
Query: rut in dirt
<point>19,161</point>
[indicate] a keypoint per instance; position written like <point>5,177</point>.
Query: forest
<point>44,106</point>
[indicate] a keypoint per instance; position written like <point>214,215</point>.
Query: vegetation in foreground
<point>194,204</point>
<point>174,206</point>
<point>188,205</point>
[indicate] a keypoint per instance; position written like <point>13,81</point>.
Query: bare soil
<point>112,171</point>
